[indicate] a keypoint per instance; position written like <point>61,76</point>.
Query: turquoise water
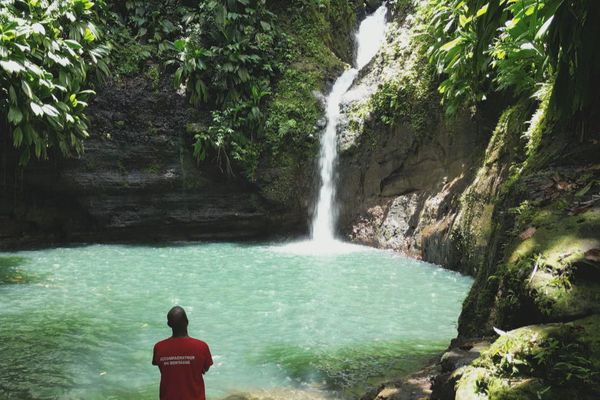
<point>81,322</point>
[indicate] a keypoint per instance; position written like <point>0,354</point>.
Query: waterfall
<point>368,40</point>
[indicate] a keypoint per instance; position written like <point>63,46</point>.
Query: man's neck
<point>180,334</point>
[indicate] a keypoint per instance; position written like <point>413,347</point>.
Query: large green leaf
<point>12,66</point>
<point>37,109</point>
<point>46,55</point>
<point>15,116</point>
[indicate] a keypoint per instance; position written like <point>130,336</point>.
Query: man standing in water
<point>182,361</point>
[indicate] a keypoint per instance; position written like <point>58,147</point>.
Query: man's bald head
<point>177,319</point>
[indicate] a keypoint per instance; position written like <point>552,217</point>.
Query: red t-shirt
<point>182,362</point>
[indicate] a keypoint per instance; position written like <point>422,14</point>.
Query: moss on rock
<point>399,87</point>
<point>549,269</point>
<point>321,37</point>
<point>552,361</point>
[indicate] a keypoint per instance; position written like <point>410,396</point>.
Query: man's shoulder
<point>198,342</point>
<point>170,343</point>
<point>162,342</point>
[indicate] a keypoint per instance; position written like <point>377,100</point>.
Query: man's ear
<point>169,324</point>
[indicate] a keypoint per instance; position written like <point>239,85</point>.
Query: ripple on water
<point>276,320</point>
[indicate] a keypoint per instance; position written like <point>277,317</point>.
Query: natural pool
<point>80,322</point>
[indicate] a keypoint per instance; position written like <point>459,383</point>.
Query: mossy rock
<point>322,44</point>
<point>558,279</point>
<point>467,387</point>
<point>350,369</point>
<point>548,362</point>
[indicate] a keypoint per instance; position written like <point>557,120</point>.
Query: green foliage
<point>456,50</point>
<point>227,64</point>
<point>47,50</point>
<point>555,354</point>
<point>518,54</point>
<point>407,99</point>
<point>143,30</point>
<point>256,68</point>
<point>480,46</point>
<point>293,112</point>
<point>129,55</point>
<point>319,33</point>
<point>225,137</point>
<point>154,21</point>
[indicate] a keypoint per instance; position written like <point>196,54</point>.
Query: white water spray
<point>369,38</point>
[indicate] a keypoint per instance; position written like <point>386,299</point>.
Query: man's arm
<point>154,362</point>
<point>207,360</point>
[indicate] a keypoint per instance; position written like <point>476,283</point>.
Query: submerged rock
<point>279,394</point>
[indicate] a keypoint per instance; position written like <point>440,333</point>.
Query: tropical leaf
<point>46,55</point>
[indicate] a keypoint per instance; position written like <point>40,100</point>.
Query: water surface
<point>81,322</point>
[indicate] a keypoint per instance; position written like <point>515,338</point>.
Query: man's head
<point>177,320</point>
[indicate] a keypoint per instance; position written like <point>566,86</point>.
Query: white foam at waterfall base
<point>320,248</point>
<point>369,38</point>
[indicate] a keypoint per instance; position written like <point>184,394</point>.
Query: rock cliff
<point>503,194</point>
<point>136,181</point>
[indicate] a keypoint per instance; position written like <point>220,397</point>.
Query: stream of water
<point>368,41</point>
<point>82,321</point>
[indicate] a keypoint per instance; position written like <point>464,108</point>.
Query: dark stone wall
<point>137,181</point>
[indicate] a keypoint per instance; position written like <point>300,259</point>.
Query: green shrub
<point>481,46</point>
<point>47,51</point>
<point>227,64</point>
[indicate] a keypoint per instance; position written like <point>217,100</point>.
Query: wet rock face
<point>415,184</point>
<point>136,181</point>
<point>372,5</point>
<point>401,169</point>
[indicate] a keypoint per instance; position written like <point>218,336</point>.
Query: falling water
<point>368,39</point>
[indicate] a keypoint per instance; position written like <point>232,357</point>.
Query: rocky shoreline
<point>435,380</point>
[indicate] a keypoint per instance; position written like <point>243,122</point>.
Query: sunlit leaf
<point>12,66</point>
<point>179,44</point>
<point>26,89</point>
<point>483,10</point>
<point>37,109</point>
<point>50,110</point>
<point>450,45</point>
<point>38,29</point>
<point>544,28</point>
<point>89,36</point>
<point>73,44</point>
